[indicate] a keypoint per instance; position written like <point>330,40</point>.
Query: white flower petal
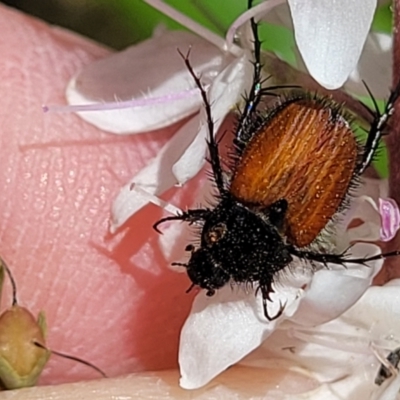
<point>332,292</point>
<point>342,347</point>
<point>228,319</point>
<point>151,69</point>
<point>379,309</point>
<point>363,209</point>
<point>326,352</point>
<point>331,35</point>
<point>353,387</point>
<point>280,16</point>
<point>325,392</point>
<point>389,390</point>
<point>177,235</point>
<point>374,67</point>
<point>223,95</point>
<point>193,159</point>
<point>374,188</point>
<point>155,178</point>
<point>223,329</point>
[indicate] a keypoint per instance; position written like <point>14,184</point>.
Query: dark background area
<point>104,21</point>
<point>120,23</point>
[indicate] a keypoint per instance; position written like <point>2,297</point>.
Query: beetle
<point>292,169</point>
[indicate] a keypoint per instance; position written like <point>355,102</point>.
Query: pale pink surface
<point>109,300</point>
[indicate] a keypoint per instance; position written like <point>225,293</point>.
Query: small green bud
<point>21,360</point>
<point>23,351</point>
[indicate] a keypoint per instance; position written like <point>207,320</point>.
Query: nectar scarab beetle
<point>292,169</point>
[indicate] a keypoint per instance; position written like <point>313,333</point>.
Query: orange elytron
<point>305,153</point>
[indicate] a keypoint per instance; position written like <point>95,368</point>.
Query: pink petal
<point>390,219</point>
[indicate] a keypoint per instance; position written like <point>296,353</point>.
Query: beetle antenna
<point>254,97</point>
<point>191,216</point>
<point>211,142</point>
<point>68,357</point>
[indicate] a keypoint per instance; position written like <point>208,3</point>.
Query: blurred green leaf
<point>383,19</point>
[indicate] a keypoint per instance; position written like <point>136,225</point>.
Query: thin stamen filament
<point>262,8</point>
<point>117,105</point>
<point>192,25</point>
<point>151,198</point>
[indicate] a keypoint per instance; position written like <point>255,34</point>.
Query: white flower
<point>342,357</point>
<point>221,330</point>
<point>330,36</point>
<point>325,329</point>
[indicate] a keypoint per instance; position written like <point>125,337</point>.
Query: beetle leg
<point>377,128</point>
<point>190,216</point>
<point>341,258</point>
<point>266,290</point>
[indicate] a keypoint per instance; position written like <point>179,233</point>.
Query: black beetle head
<point>204,272</point>
<point>237,244</point>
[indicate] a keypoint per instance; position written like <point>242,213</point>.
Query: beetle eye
<point>190,248</point>
<point>215,233</point>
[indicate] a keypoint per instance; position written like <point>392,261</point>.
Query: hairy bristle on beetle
<point>293,167</point>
